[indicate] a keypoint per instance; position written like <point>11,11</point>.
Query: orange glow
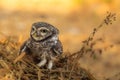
<point>59,6</point>
<point>38,5</point>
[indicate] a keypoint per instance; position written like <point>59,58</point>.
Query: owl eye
<point>44,31</point>
<point>33,28</point>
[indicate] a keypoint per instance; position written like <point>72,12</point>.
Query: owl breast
<point>38,48</point>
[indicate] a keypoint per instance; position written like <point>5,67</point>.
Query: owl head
<point>41,31</point>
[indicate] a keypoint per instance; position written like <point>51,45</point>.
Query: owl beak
<point>38,33</point>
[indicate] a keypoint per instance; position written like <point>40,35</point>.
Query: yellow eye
<point>44,31</point>
<point>33,28</point>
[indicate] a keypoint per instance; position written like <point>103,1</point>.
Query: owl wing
<point>24,48</point>
<point>58,48</point>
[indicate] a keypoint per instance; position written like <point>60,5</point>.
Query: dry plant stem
<point>19,57</point>
<point>4,64</point>
<point>39,70</point>
<point>20,73</point>
<point>39,75</point>
<point>75,61</point>
<point>108,20</point>
<point>49,75</point>
<point>61,74</point>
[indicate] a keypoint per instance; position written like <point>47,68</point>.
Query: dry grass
<point>26,69</point>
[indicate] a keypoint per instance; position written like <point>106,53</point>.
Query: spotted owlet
<point>43,43</point>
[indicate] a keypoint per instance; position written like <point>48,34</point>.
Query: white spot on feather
<point>55,38</point>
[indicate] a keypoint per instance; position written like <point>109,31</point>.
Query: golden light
<point>60,6</point>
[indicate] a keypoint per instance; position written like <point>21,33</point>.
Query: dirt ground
<point>74,29</point>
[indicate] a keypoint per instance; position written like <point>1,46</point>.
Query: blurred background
<point>74,18</point>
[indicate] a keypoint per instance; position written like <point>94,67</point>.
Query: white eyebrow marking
<point>33,30</point>
<point>34,27</point>
<point>43,28</point>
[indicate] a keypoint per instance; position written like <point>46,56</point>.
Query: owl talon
<point>50,64</point>
<point>42,63</point>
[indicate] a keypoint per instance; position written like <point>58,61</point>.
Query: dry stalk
<point>19,57</point>
<point>109,19</point>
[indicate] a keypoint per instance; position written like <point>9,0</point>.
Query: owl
<point>43,44</point>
